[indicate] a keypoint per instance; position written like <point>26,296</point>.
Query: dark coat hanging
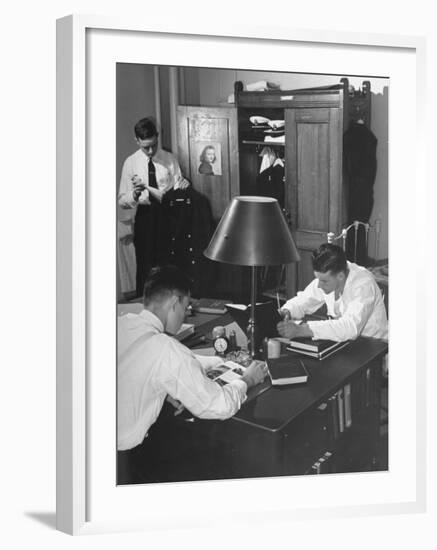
<point>187,227</point>
<point>359,171</point>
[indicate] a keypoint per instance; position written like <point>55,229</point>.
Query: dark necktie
<point>152,175</point>
<point>152,180</point>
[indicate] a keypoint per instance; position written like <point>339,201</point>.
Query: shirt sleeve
<point>186,381</point>
<point>208,362</point>
<point>355,316</point>
<point>306,301</point>
<point>175,172</point>
<point>125,192</point>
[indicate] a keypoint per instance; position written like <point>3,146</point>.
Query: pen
<point>277,301</point>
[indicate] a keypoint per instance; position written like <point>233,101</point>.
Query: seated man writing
<point>153,365</point>
<point>353,299</point>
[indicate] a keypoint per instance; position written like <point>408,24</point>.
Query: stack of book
<point>319,349</point>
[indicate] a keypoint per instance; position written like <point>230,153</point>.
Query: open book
<point>229,371</point>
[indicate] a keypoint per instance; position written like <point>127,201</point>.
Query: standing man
<point>353,299</point>
<point>146,176</point>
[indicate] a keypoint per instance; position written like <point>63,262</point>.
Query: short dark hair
<point>145,128</point>
<point>165,280</point>
<point>329,257</point>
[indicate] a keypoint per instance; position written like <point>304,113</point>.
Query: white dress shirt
<point>167,170</point>
<point>152,365</point>
<point>359,310</point>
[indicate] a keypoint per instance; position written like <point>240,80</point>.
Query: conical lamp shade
<point>253,231</point>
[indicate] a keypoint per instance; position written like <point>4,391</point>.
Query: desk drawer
<point>306,441</point>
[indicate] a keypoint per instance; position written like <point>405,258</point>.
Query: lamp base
<point>254,344</point>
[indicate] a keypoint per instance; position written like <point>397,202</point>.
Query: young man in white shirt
<point>354,301</point>
<point>146,176</point>
<point>153,365</point>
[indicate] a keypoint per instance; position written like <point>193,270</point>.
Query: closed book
<point>333,428</point>
<point>309,344</point>
<point>186,330</point>
<point>340,402</point>
<point>287,370</point>
<point>347,406</point>
<point>319,349</point>
<point>209,305</point>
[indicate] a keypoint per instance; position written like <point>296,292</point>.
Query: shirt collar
<point>152,320</point>
<point>157,157</point>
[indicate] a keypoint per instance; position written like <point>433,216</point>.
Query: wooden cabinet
<point>310,189</point>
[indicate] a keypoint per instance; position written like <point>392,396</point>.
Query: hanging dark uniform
<point>186,229</point>
<point>359,169</point>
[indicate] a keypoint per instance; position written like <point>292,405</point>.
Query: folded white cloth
<point>268,158</point>
<point>277,139</point>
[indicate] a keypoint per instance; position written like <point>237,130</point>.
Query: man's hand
<point>255,373</point>
<point>285,314</point>
<point>138,186</point>
<point>176,404</point>
<point>290,329</point>
<point>183,183</point>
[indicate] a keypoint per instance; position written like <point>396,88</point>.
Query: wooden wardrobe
<point>314,196</point>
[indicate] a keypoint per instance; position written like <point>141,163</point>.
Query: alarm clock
<point>221,345</point>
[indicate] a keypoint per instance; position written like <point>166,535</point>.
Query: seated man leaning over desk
<point>354,301</point>
<point>153,365</point>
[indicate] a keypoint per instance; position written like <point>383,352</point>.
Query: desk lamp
<point>253,232</point>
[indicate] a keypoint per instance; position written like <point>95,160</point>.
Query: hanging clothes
<point>187,229</point>
<point>359,170</point>
<point>268,157</point>
<point>270,182</point>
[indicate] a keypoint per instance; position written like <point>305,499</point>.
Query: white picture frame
<point>76,212</point>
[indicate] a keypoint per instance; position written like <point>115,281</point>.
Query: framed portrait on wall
<point>97,63</point>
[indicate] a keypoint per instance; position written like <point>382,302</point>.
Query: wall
<point>135,100</point>
<point>215,85</point>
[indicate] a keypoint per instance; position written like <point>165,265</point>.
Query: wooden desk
<point>287,430</point>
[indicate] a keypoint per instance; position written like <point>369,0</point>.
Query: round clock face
<point>221,344</point>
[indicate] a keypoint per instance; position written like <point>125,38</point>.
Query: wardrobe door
<point>206,134</point>
<point>313,193</point>
<point>208,155</point>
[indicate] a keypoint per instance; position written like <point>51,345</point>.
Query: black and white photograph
<point>210,159</point>
<point>252,273</point>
